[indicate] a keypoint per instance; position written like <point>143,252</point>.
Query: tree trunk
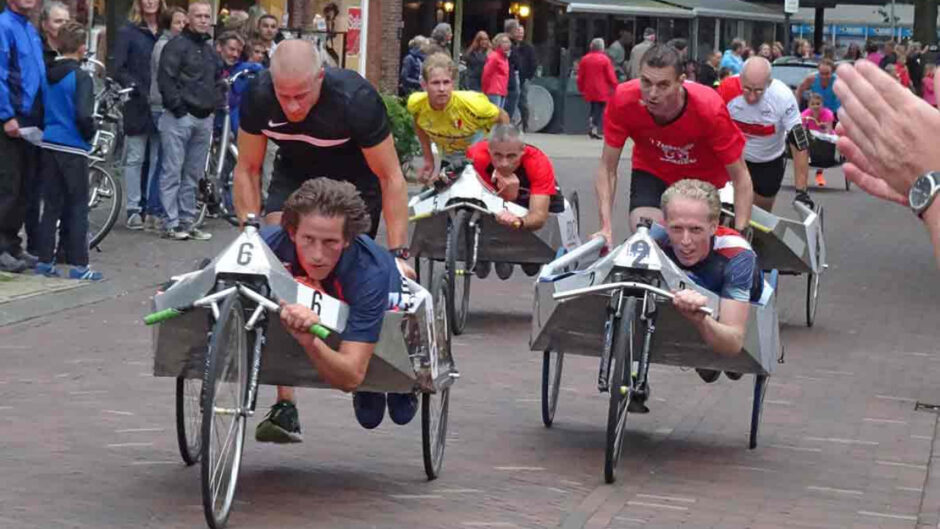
<point>925,21</point>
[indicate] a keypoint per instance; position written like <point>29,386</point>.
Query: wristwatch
<point>923,191</point>
<point>401,253</point>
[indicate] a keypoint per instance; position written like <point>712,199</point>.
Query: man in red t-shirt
<point>518,173</point>
<point>680,130</point>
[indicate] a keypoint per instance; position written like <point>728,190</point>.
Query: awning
<point>730,9</point>
<point>647,8</point>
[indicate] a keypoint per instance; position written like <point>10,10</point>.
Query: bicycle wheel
<point>189,418</point>
<point>457,268</point>
<point>105,198</point>
<point>812,285</point>
<point>223,417</point>
<point>551,380</point>
<point>621,359</point>
<point>434,406</point>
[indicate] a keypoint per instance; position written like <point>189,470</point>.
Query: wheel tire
<point>105,199</point>
<point>189,418</point>
<point>576,206</point>
<point>760,389</point>
<point>620,374</point>
<point>812,286</point>
<point>228,348</point>
<point>848,183</point>
<point>458,280</point>
<point>435,406</point>
<point>551,380</point>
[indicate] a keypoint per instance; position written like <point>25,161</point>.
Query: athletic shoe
<point>281,425</point>
<point>369,407</point>
<point>198,235</point>
<point>8,263</point>
<point>175,234</point>
<point>402,407</point>
<point>635,406</point>
<point>531,269</point>
<point>46,269</point>
<point>503,270</point>
<point>820,179</point>
<point>28,258</point>
<point>803,196</point>
<point>85,273</point>
<point>483,268</point>
<point>708,375</point>
<point>134,222</point>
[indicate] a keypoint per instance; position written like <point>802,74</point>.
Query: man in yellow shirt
<point>452,120</point>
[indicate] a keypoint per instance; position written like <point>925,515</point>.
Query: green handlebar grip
<point>162,315</point>
<point>319,330</point>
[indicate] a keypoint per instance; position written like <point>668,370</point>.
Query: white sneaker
<point>134,222</point>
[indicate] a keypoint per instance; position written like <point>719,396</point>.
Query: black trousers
<point>597,115</point>
<point>20,190</point>
<point>65,197</point>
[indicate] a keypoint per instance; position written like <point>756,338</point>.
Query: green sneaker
<point>282,425</point>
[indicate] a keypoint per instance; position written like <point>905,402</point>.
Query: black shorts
<point>646,190</point>
<point>282,186</point>
<point>767,176</point>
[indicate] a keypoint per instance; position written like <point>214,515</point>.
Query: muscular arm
<point>804,86</point>
<point>800,168</point>
<point>343,369</point>
<point>538,212</point>
<point>725,337</point>
<point>743,193</point>
<point>383,160</point>
<point>247,174</point>
<point>606,187</point>
<point>425,142</point>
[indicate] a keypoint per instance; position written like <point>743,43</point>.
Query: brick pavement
<point>89,434</point>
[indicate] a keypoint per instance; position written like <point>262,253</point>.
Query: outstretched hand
<point>887,133</point>
<point>688,303</point>
<point>298,319</point>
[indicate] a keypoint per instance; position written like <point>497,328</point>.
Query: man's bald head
<point>755,78</point>
<point>295,58</point>
<point>297,75</point>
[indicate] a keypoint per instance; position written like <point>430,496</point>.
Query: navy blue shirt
<point>366,278</point>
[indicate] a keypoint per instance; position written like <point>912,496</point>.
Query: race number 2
<point>639,251</point>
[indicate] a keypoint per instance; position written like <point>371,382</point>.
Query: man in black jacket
<point>523,58</point>
<point>187,78</point>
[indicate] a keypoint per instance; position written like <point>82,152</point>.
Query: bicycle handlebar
<point>632,285</point>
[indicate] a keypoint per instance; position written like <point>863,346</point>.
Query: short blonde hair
<point>439,60</point>
<point>694,190</point>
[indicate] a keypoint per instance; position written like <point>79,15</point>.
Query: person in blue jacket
<point>69,103</point>
<point>22,77</point>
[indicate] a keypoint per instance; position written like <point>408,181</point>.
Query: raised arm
<point>743,193</point>
<point>605,185</point>
<point>383,160</point>
<point>247,175</point>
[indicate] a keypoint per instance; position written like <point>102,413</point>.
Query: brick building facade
<point>384,44</point>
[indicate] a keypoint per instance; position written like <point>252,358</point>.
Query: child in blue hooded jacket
<point>69,128</point>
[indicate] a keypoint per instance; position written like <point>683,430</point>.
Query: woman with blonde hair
<point>133,49</point>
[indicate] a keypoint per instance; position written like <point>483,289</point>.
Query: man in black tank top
<point>327,122</point>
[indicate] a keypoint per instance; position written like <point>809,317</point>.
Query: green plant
<point>403,129</point>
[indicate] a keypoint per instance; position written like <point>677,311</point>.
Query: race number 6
<point>315,303</point>
<point>244,253</point>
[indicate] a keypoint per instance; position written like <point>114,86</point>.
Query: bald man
<point>326,122</point>
<point>767,113</point>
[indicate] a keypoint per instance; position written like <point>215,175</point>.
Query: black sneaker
<point>803,196</point>
<point>483,268</point>
<point>708,375</point>
<point>369,407</point>
<point>402,407</point>
<point>733,376</point>
<point>282,425</point>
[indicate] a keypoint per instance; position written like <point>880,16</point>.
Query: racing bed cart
<point>212,325</point>
<point>618,308</point>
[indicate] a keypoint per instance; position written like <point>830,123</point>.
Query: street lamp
<point>449,7</point>
<point>520,10</point>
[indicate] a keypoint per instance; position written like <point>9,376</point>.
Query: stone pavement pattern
<point>89,437</point>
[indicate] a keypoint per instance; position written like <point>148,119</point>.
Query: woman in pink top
<point>817,117</point>
<point>496,71</point>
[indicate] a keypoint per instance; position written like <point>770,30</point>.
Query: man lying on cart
<point>518,173</point>
<point>716,258</point>
<point>321,242</point>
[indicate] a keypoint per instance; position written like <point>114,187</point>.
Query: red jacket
<point>596,78</point>
<point>496,74</point>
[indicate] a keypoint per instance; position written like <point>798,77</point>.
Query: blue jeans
<point>154,206</point>
<point>496,100</point>
<point>512,97</point>
<point>135,150</point>
<point>185,147</point>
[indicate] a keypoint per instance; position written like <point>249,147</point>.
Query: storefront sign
<point>354,18</point>
<point>791,6</point>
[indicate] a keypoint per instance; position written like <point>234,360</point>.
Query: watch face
<point>920,192</point>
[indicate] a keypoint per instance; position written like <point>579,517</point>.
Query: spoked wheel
<point>551,380</point>
<point>434,406</point>
<point>189,418</point>
<point>620,386</point>
<point>457,270</point>
<point>105,198</point>
<point>576,206</point>
<point>812,284</point>
<point>760,389</point>
<point>223,418</point>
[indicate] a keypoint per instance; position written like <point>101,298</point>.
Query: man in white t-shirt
<point>766,111</point>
